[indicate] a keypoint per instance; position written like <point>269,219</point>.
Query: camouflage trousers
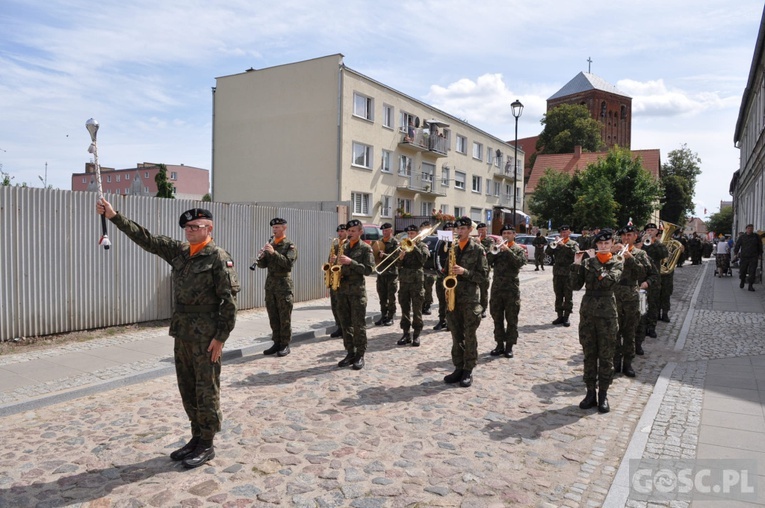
<point>652,315</point>
<point>428,282</point>
<point>410,297</point>
<point>333,304</point>
<point>539,257</point>
<point>279,307</point>
<point>505,307</point>
<point>441,294</point>
<point>564,293</point>
<point>352,309</point>
<point>597,335</point>
<point>485,292</point>
<point>628,309</point>
<point>463,323</point>
<point>667,288</point>
<point>199,385</point>
<point>386,291</point>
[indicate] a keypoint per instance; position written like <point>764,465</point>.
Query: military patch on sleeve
<point>292,246</point>
<point>229,264</point>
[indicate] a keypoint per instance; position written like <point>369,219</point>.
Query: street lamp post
<point>517,111</point>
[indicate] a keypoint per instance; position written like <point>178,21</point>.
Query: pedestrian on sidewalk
<point>205,285</point>
<point>598,319</point>
<point>278,256</point>
<point>749,249</point>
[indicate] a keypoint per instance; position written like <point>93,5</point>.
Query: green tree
<point>567,126</point>
<point>164,186</point>
<point>595,203</point>
<point>722,221</point>
<point>685,165</point>
<point>207,197</point>
<point>553,199</point>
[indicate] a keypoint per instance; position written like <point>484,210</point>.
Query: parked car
<point>372,233</point>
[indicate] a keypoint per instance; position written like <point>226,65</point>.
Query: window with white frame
<point>426,208</point>
<point>360,202</point>
<point>127,176</point>
<point>117,178</point>
<point>477,151</point>
<point>404,205</point>
<point>489,155</point>
<point>476,185</point>
<point>387,155</point>
<point>363,106</point>
<point>127,190</point>
<point>476,214</point>
<point>84,180</point>
<point>459,180</point>
<point>116,191</point>
<point>385,207</point>
<point>459,211</point>
<point>445,209</point>
<point>362,155</point>
<point>444,177</point>
<point>487,216</point>
<point>108,178</point>
<point>146,174</point>
<point>405,119</point>
<point>173,175</point>
<point>388,116</point>
<point>508,191</point>
<point>497,187</point>
<point>488,186</point>
<point>428,170</point>
<point>498,160</point>
<point>461,144</point>
<point>404,165</point>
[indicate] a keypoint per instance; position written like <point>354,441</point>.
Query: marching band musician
<point>539,243</point>
<point>388,280</point>
<point>356,263</point>
<point>342,234</point>
<point>441,256</point>
<point>277,257</point>
<point>429,277</point>
<point>486,243</point>
<point>598,321</point>
<point>656,251</point>
<point>563,255</point>
<point>505,301</point>
<point>470,269</point>
<point>411,292</point>
<point>637,273</point>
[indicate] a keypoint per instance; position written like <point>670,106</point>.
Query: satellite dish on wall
<point>416,121</point>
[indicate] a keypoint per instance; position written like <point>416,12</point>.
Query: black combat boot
<point>639,350</point>
<point>380,321</point>
<point>566,322</point>
<point>273,349</point>
<point>186,450</point>
<point>358,362</point>
<point>204,452</point>
<point>337,333</point>
<point>498,351</point>
<point>627,368</point>
<point>440,326</point>
<point>665,316</point>
<point>617,364</point>
<point>651,332</point>
<point>405,339</point>
<point>467,378</point>
<point>751,287</point>
<point>426,310</point>
<point>560,319</point>
<point>347,360</point>
<point>603,401</point>
<point>454,376</point>
<point>742,284</point>
<point>509,351</point>
<point>589,400</point>
<point>416,339</point>
<point>283,351</point>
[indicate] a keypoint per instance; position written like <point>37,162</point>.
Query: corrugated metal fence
<point>55,277</point>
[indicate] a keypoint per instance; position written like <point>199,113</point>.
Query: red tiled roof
<point>570,162</point>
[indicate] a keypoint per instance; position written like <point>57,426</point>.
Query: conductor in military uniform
<point>278,256</point>
<point>563,251</point>
<point>356,263</point>
<point>470,269</point>
<point>505,303</point>
<point>387,281</point>
<point>410,293</point>
<point>205,285</point>
<point>598,320</point>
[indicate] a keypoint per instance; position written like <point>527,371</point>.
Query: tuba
<point>674,247</point>
<point>450,281</point>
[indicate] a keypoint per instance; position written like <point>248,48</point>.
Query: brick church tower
<point>609,106</point>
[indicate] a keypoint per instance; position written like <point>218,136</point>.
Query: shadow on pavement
<point>532,426</point>
<point>377,395</point>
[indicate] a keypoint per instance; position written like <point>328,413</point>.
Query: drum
<point>643,298</point>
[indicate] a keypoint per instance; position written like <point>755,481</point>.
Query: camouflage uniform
<point>539,243</point>
<point>352,296</point>
<point>563,257</point>
<point>464,320</point>
<point>635,271</point>
<point>667,288</point>
<point>204,296</point>
<point>486,243</point>
<point>410,293</point>
<point>598,321</point>
<point>506,294</point>
<point>428,281</point>
<point>279,290</point>
<point>440,257</point>
<point>387,282</point>
<point>656,251</point>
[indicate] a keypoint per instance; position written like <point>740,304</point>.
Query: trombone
<point>406,245</point>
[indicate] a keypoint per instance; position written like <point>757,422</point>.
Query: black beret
<point>425,223</point>
<point>449,225</point>
<point>749,226</point>
<point>564,227</point>
<point>194,213</point>
<point>508,227</point>
<point>605,234</point>
<point>353,223</point>
<point>463,221</point>
<point>481,225</point>
<point>341,227</point>
<point>629,228</point>
<point>277,221</point>
<point>410,227</point>
<point>650,225</point>
<point>387,225</point>
<point>585,228</point>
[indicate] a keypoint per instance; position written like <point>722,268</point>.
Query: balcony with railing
<point>506,172</point>
<point>423,183</point>
<point>423,141</point>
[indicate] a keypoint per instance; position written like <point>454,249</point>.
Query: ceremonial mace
<point>92,126</point>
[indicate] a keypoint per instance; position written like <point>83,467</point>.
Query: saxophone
<point>327,267</point>
<point>335,269</point>
<point>450,281</point>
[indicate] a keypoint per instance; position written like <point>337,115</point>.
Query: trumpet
<point>554,243</point>
<point>497,246</point>
<point>261,253</point>
<point>619,256</point>
<point>647,241</point>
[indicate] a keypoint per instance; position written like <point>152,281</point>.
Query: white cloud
<point>655,98</point>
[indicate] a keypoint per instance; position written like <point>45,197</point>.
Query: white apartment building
<point>317,131</point>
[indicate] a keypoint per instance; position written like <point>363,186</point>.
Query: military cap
<point>425,223</point>
<point>463,221</point>
<point>353,223</point>
<point>650,225</point>
<point>448,225</point>
<point>605,234</point>
<point>749,226</point>
<point>341,227</point>
<point>585,228</point>
<point>193,214</point>
<point>481,225</point>
<point>386,225</point>
<point>507,227</point>
<point>277,221</point>
<point>629,228</point>
<point>564,227</point>
<point>410,227</point>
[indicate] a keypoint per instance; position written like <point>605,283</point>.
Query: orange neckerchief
<point>352,243</point>
<point>463,243</point>
<point>510,245</point>
<point>277,241</point>
<point>194,248</point>
<point>565,240</point>
<point>604,258</point>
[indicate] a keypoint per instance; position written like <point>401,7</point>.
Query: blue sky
<point>145,69</point>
